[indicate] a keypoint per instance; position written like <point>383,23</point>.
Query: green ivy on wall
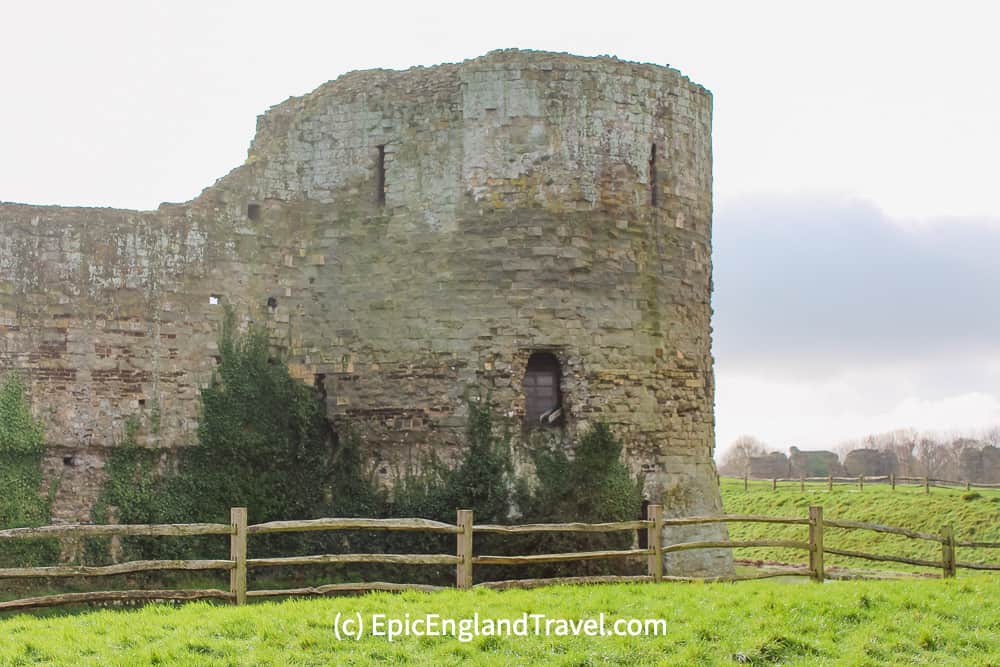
<point>22,502</point>
<point>263,443</point>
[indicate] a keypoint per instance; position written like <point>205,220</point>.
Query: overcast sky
<point>857,223</point>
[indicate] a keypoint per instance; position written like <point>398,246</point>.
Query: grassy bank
<point>974,515</point>
<point>856,622</point>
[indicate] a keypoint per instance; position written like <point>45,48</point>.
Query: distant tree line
<point>916,453</point>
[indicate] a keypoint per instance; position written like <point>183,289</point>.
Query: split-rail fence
<point>892,480</point>
<point>464,559</point>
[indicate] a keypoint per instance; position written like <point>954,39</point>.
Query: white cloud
<point>820,413</point>
<point>833,321</point>
<point>127,104</point>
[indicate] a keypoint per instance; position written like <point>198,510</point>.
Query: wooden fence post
<point>968,485</point>
<point>948,551</point>
<point>774,484</point>
<point>829,483</point>
<point>463,570</point>
<point>654,539</point>
<point>238,553</point>
<point>861,482</point>
<point>746,481</point>
<point>816,543</point>
<point>927,484</point>
<point>802,484</point>
<point>892,480</point>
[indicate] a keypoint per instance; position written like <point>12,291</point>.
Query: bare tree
<point>902,443</point>
<point>935,458</point>
<point>736,460</point>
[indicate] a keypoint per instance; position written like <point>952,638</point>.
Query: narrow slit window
<point>653,184</point>
<point>643,535</point>
<point>542,396</point>
<point>380,177</point>
<point>253,211</point>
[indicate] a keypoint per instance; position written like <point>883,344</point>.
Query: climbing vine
<point>263,443</point>
<point>593,485</point>
<point>22,500</point>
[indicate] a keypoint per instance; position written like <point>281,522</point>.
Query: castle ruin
<point>537,225</point>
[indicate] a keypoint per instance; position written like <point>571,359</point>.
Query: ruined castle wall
<point>107,316</point>
<point>523,210</point>
<point>980,464</point>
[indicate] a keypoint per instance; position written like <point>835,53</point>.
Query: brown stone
<point>515,214</point>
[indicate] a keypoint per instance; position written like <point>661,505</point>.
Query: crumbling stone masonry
<point>406,235</point>
<point>815,463</point>
<point>870,462</point>
<point>770,466</point>
<point>980,464</point>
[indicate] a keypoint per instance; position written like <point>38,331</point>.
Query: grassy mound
<point>858,622</point>
<point>975,516</point>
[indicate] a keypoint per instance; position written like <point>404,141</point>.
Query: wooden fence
<point>464,559</point>
<point>861,480</point>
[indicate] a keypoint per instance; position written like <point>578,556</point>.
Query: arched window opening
<point>542,397</point>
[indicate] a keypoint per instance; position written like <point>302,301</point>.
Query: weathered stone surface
<point>869,462</point>
<point>814,463</point>
<point>773,465</point>
<point>980,464</point>
<point>521,211</point>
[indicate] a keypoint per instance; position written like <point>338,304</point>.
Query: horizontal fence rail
<point>335,559</point>
<point>559,558</point>
<point>861,480</point>
<point>463,559</point>
<point>123,530</point>
<point>564,527</point>
<point>733,518</point>
<point>423,525</point>
<point>130,567</point>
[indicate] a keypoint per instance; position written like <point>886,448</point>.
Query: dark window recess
<point>654,186</point>
<point>253,211</point>
<point>272,304</point>
<point>319,381</point>
<point>142,402</point>
<point>542,398</point>
<point>643,533</point>
<point>380,177</point>
<point>69,461</point>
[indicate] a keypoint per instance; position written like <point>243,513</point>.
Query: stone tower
<point>535,225</point>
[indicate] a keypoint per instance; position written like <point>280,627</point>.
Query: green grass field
<point>975,516</point>
<point>931,622</point>
<point>916,621</point>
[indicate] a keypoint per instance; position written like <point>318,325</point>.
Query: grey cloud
<point>810,284</point>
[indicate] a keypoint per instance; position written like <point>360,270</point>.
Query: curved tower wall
<point>409,236</point>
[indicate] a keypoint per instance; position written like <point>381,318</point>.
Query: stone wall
<point>813,463</point>
<point>769,466</point>
<point>980,465</point>
<point>869,462</point>
<point>530,202</point>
